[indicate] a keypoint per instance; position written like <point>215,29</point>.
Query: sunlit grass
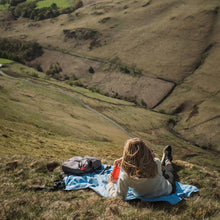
<point>60,4</point>
<point>4,7</point>
<point>20,175</point>
<point>3,61</point>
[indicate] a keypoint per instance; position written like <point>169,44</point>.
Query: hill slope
<point>160,53</point>
<point>42,124</point>
<point>56,107</point>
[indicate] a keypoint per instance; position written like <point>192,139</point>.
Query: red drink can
<point>115,172</point>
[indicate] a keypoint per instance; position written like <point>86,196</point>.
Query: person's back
<point>141,171</point>
<point>149,187</point>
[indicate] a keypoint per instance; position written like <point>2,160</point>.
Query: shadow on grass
<point>177,168</point>
<point>160,206</point>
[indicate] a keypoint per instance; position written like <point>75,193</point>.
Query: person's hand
<point>117,161</point>
<point>111,179</point>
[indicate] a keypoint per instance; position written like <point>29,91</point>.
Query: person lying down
<point>142,172</point>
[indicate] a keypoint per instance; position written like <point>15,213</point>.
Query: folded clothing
<point>97,182</point>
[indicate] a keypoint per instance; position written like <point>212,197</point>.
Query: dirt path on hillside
<point>76,98</point>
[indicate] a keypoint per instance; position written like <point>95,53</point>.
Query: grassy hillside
<point>163,54</point>
<point>159,58</point>
<point>48,3</point>
<point>20,174</point>
<point>42,125</point>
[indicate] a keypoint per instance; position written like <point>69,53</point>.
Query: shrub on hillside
<point>143,103</point>
<point>36,65</point>
<point>29,10</point>
<point>74,77</point>
<point>91,70</point>
<point>78,83</point>
<point>132,70</point>
<point>54,71</point>
<point>19,50</point>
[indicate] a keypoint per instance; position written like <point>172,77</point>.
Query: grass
<point>50,110</point>
<point>145,46</point>
<point>21,174</point>
<point>4,7</point>
<point>46,3</point>
<point>93,95</point>
<point>39,126</point>
<point>83,124</point>
<point>22,70</point>
<point>3,61</point>
<point>60,4</point>
<point>195,125</point>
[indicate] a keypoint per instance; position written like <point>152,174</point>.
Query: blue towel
<point>98,183</point>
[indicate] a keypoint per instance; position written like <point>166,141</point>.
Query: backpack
<point>81,165</point>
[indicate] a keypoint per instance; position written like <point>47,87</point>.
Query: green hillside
<point>42,124</point>
<point>81,77</point>
<point>162,54</point>
<point>60,4</point>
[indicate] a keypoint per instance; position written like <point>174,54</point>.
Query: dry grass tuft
<point>18,200</point>
<point>184,164</point>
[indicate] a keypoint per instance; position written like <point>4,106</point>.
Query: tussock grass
<point>21,174</point>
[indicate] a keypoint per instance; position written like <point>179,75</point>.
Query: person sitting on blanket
<point>143,172</point>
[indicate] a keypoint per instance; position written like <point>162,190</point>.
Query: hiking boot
<point>167,155</point>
